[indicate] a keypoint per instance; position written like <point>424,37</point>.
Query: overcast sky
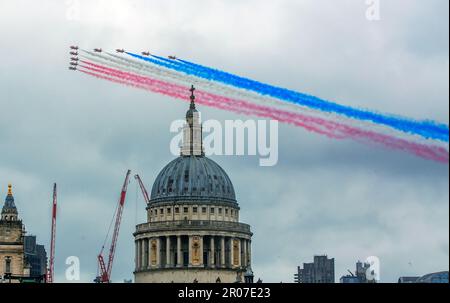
<point>340,198</point>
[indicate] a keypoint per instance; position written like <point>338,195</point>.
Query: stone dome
<point>192,178</point>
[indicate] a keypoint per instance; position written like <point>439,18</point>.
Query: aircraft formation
<point>74,53</point>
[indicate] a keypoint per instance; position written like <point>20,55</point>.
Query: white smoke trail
<point>148,69</point>
<point>178,91</point>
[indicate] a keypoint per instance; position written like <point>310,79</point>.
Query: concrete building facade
<point>35,256</point>
<point>320,271</point>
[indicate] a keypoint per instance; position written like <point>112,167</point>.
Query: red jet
<point>74,53</point>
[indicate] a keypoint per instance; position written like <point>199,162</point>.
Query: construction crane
<point>105,270</point>
<point>50,270</point>
<point>144,191</point>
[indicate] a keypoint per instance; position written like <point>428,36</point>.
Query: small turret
<point>9,210</point>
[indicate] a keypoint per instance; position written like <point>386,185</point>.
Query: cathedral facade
<point>13,266</point>
<point>193,233</point>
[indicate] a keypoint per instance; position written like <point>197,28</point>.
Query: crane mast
<point>144,191</point>
<point>50,271</point>
<point>105,270</point>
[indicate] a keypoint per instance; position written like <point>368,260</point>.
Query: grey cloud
<point>337,197</point>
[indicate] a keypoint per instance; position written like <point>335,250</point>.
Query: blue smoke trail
<point>427,129</point>
<point>171,61</point>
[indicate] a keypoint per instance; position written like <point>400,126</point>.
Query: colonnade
<point>203,251</point>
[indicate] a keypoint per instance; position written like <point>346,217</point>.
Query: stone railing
<point>194,225</point>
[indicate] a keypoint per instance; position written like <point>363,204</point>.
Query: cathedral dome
<point>195,178</point>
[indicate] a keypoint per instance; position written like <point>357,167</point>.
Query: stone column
<point>211,249</point>
<point>150,253</point>
<point>179,256</point>
<point>202,262</point>
<point>143,241</point>
<point>222,251</point>
<point>158,252</point>
<point>144,261</point>
<point>138,256</point>
<point>190,251</point>
<point>249,252</point>
<point>244,262</point>
<point>239,252</point>
<point>168,260</point>
<point>231,253</point>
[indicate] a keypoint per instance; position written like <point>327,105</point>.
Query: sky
<point>340,198</point>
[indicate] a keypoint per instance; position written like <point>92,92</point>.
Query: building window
<point>168,210</point>
<point>204,210</point>
<point>194,209</point>
<point>156,212</point>
<point>226,211</point>
<point>177,210</point>
<point>8,265</point>
<point>232,212</point>
<point>212,210</point>
<point>220,211</point>
<point>162,211</point>
<point>186,209</point>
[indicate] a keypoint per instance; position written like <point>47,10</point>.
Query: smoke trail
<point>144,69</point>
<point>441,130</point>
<point>268,113</point>
<point>303,121</point>
<point>344,131</point>
<point>429,152</point>
<point>179,78</point>
<point>426,129</point>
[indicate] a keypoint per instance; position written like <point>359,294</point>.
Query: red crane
<point>50,270</point>
<point>144,191</point>
<point>105,270</point>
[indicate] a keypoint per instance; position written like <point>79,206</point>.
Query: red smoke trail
<point>177,91</point>
<point>335,130</point>
<point>238,106</point>
<point>156,89</point>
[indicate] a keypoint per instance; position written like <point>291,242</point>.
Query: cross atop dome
<point>192,132</point>
<point>192,105</point>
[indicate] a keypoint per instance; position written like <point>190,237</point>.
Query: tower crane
<point>105,270</point>
<point>144,191</point>
<point>50,270</point>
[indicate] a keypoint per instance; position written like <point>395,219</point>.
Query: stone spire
<point>192,131</point>
<point>9,210</point>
